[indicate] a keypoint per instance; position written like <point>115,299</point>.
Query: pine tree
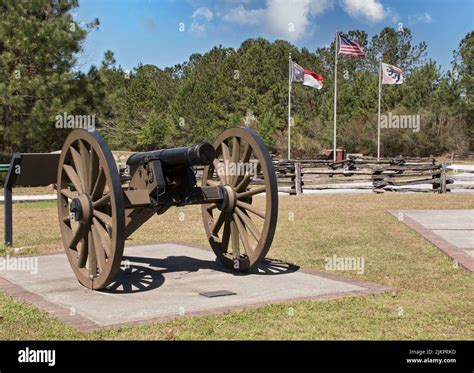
<point>39,42</point>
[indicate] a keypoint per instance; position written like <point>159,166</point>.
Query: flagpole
<point>289,106</point>
<point>378,126</point>
<point>335,99</point>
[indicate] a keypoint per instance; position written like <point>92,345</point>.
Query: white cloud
<point>420,18</point>
<point>242,16</point>
<point>288,18</point>
<point>196,27</point>
<point>425,18</point>
<point>203,12</point>
<point>394,15</point>
<point>372,10</point>
<point>320,6</point>
<point>284,18</point>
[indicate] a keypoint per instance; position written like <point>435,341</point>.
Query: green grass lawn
<point>434,298</point>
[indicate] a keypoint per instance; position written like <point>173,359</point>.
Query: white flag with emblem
<point>391,74</point>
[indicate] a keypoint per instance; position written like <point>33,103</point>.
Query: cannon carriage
<point>100,206</point>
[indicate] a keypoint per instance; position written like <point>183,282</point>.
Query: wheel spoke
<point>69,193</point>
<point>217,167</point>
<point>251,192</point>
<point>103,217</point>
<point>92,257</point>
<point>246,153</point>
<point>226,234</point>
<point>85,158</point>
<point>103,235</point>
<point>104,200</point>
<point>99,185</point>
<point>235,239</point>
<point>78,236</point>
<point>79,166</point>
<point>235,149</point>
<point>98,248</point>
<point>244,182</point>
<point>84,253</point>
<point>235,156</point>
<point>226,156</point>
<point>219,223</point>
<point>249,207</point>
<point>243,236</point>
<point>73,177</point>
<point>248,223</point>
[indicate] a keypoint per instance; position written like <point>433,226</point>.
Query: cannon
<point>100,205</point>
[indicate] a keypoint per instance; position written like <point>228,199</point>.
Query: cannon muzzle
<point>201,154</point>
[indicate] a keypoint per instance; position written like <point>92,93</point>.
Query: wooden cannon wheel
<point>90,208</point>
<point>241,229</point>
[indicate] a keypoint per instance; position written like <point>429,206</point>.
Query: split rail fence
<point>400,174</point>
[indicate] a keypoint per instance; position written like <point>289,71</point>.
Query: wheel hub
<point>230,199</point>
<point>81,208</point>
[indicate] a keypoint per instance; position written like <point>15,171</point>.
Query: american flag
<point>349,48</point>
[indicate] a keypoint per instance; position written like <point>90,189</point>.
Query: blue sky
<point>151,31</point>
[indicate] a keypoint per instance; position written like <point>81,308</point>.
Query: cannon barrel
<point>201,154</point>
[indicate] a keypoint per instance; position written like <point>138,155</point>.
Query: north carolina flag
<point>307,77</point>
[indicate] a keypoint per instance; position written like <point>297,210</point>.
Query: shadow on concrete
<point>135,279</point>
<point>138,274</point>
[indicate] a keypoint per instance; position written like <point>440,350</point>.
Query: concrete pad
<point>444,219</point>
<point>164,281</point>
<point>461,238</point>
<point>452,231</point>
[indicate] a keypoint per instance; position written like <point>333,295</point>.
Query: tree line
<point>150,108</point>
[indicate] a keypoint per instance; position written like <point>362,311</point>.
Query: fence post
<point>443,177</point>
<point>8,238</point>
<point>298,177</point>
<point>435,186</point>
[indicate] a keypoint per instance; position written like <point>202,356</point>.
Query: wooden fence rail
<point>400,174</point>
